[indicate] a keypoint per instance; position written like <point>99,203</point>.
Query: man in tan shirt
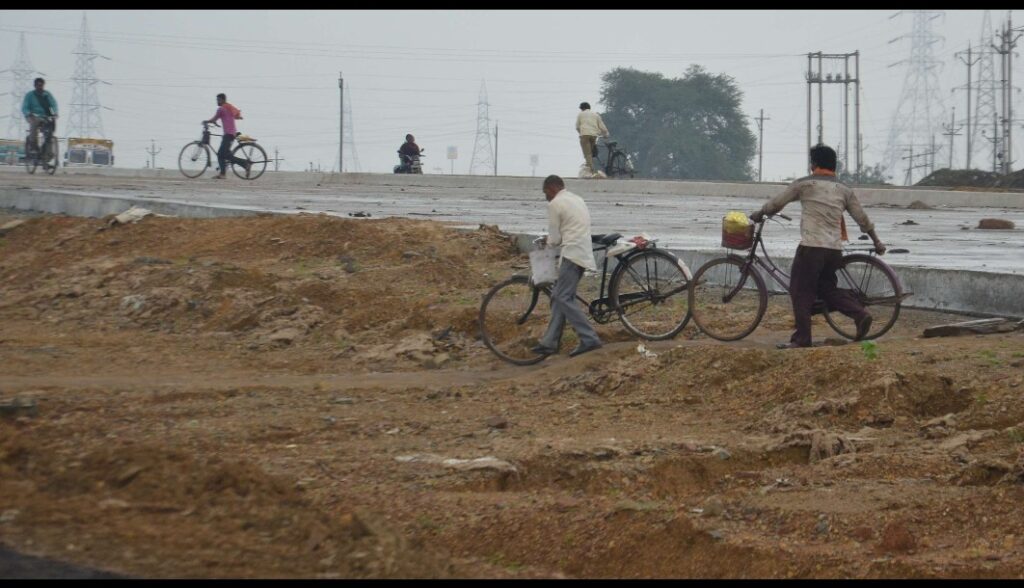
<point>589,125</point>
<point>823,199</point>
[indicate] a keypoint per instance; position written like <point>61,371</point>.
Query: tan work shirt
<point>822,200</point>
<point>569,227</point>
<point>589,123</point>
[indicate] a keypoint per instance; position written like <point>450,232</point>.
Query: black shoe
<point>581,349</point>
<point>542,350</point>
<point>863,327</point>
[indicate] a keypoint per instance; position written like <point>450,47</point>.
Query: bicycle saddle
<point>608,239</point>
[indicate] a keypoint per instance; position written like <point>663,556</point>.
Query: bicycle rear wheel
<point>513,318</point>
<point>254,153</point>
<point>194,159</point>
<point>617,165</point>
<point>876,286</point>
<point>31,160</point>
<point>726,303</point>
<point>649,292</point>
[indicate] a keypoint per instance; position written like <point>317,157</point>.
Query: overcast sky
<point>421,72</point>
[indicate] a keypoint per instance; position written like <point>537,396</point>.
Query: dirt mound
<point>960,177</point>
<point>203,514</point>
<point>268,282</point>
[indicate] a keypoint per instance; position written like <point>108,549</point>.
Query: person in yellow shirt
<point>589,125</point>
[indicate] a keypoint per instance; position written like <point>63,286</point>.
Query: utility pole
<point>970,146</point>
<point>495,147</point>
<point>954,131</point>
<point>276,159</point>
<point>760,141</point>
<point>1007,42</point>
<point>842,76</point>
<point>152,153</point>
<point>341,121</point>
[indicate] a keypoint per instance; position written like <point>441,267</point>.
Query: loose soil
<point>277,397</point>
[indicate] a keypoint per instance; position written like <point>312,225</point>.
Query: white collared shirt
<point>569,227</point>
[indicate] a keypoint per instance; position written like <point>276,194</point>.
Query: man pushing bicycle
<point>823,200</point>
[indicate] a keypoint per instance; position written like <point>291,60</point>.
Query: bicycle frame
<point>782,278</point>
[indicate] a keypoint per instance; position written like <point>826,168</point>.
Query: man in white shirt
<point>589,125</point>
<point>568,227</point>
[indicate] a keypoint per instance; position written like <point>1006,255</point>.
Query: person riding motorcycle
<point>408,152</point>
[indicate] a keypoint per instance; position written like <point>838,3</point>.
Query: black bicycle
<point>618,163</point>
<point>646,291</point>
<point>46,156</point>
<point>196,157</point>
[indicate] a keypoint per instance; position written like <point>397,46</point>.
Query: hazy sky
<point>420,72</point>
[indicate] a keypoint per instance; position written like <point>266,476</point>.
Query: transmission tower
<point>920,112</point>
<point>986,116</point>
<point>483,154</point>
<point>85,118</point>
<point>348,139</point>
<point>21,84</point>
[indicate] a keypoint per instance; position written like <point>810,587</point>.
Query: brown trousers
<point>587,143</point>
<point>813,276</point>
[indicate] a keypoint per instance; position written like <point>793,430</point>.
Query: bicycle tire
<point>254,153</point>
<point>194,159</point>
<point>658,284</point>
<point>617,165</point>
<point>55,149</point>
<point>31,162</point>
<point>513,317</point>
<point>712,313</point>
<point>876,286</point>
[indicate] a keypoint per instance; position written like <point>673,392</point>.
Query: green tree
<point>683,128</point>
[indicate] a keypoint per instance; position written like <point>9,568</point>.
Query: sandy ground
<point>277,396</point>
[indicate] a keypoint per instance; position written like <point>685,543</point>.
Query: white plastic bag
<point>544,265</point>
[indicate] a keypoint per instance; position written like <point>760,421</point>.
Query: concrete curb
<point>901,196</point>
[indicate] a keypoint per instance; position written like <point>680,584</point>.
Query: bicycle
<point>644,291</point>
<point>721,297</point>
<point>195,157</point>
<point>50,147</point>
<point>618,164</point>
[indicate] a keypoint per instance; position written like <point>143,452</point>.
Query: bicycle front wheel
<point>194,159</point>
<point>52,162</point>
<point>872,282</point>
<point>649,292</point>
<point>726,302</point>
<point>31,161</point>
<point>513,318</point>
<point>251,152</point>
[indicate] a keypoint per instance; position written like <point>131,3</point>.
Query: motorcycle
<point>410,164</point>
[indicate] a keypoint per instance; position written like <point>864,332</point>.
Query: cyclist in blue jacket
<point>37,105</point>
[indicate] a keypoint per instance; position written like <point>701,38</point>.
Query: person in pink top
<point>227,114</point>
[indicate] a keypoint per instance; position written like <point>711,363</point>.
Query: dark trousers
<point>813,276</point>
<point>224,154</point>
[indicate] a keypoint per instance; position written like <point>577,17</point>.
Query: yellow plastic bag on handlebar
<point>736,222</point>
<point>737,230</point>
